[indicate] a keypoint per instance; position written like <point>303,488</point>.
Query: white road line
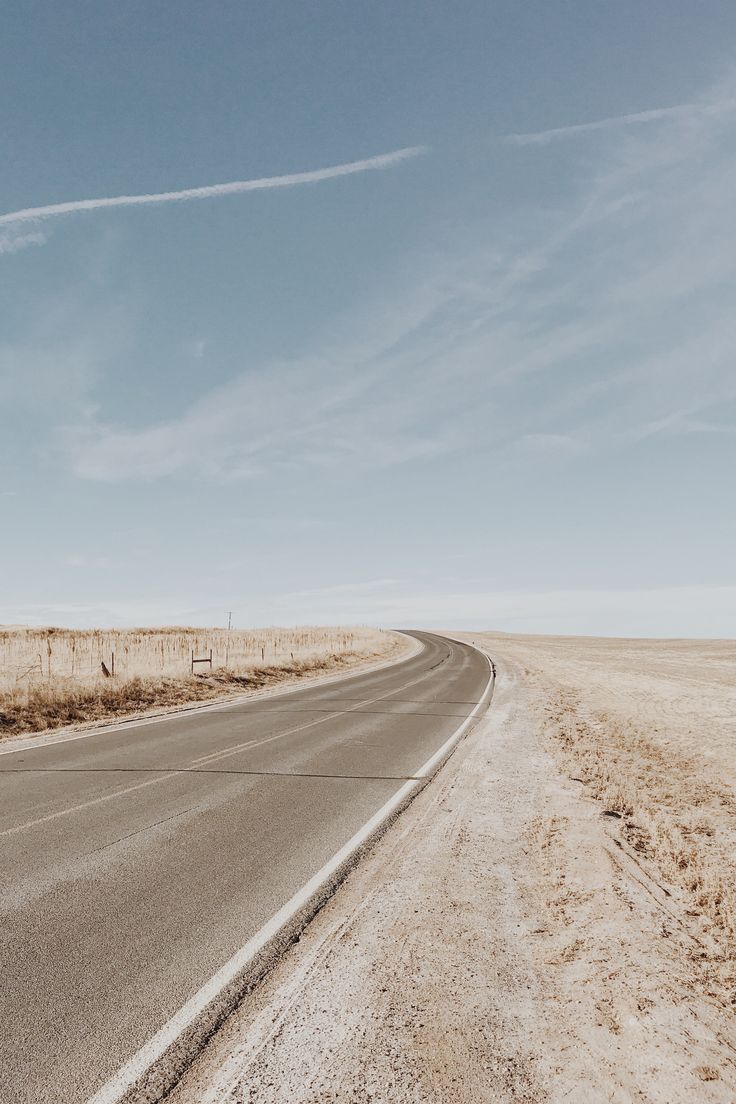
<point>87,804</point>
<point>124,1081</point>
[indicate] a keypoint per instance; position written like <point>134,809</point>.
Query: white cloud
<point>551,444</point>
<point>345,589</point>
<point>684,611</point>
<point>96,615</point>
<point>84,560</point>
<point>653,115</point>
<point>66,345</point>
<point>565,338</point>
<point>682,422</point>
<point>315,413</point>
<point>212,191</point>
<point>689,611</point>
<point>12,242</point>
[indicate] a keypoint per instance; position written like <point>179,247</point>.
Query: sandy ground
<point>507,940</point>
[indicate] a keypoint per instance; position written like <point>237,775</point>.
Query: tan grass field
<point>52,677</point>
<point>648,729</point>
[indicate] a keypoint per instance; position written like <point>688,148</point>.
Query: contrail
<point>382,161</point>
<point>541,137</point>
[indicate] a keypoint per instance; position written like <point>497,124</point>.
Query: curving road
<point>136,861</point>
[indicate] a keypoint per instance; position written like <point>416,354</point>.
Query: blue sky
<point>464,356</point>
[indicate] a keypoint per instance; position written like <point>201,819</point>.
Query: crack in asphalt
<point>138,832</point>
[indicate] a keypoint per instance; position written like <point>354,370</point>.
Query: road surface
<point>136,861</point>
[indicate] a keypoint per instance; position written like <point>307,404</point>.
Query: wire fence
<point>82,657</point>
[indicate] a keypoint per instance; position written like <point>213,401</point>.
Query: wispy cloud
<point>667,611</point>
<point>682,422</point>
<point>211,191</point>
<point>347,589</point>
<point>551,444</point>
<point>13,242</point>
<point>674,611</point>
<point>653,115</point>
<point>81,559</point>
<point>63,344</point>
<point>555,337</point>
<point>310,411</point>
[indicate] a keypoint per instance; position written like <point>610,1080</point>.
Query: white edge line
<point>65,735</point>
<point>125,1080</point>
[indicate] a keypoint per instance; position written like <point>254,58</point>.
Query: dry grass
<point>649,728</point>
<point>29,656</point>
<point>53,677</point>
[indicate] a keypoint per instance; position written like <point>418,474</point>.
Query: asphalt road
<point>136,861</point>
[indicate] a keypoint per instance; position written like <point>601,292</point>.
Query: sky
<point>414,314</point>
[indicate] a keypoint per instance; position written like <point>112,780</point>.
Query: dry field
<point>52,677</point>
<point>551,920</point>
<point>649,728</point>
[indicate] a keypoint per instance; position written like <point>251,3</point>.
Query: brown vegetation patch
<point>41,705</point>
<point>648,728</point>
<point>30,656</point>
<point>670,812</point>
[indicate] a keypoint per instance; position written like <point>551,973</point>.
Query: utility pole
<point>227,643</point>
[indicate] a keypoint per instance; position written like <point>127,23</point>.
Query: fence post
<point>204,659</point>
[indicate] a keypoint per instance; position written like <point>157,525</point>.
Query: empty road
<point>136,861</point>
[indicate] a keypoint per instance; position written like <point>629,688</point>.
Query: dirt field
<point>649,728</point>
<point>57,677</point>
<point>551,919</point>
